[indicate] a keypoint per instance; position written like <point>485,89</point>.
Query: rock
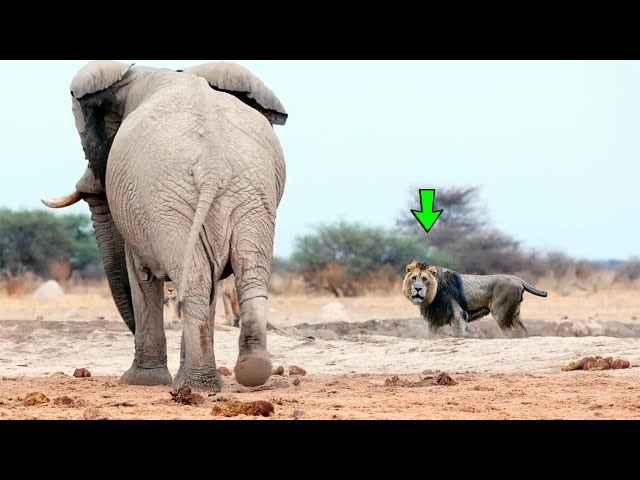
<point>295,370</point>
<point>235,408</point>
<point>620,363</point>
<point>296,382</point>
<point>58,375</point>
<point>297,414</point>
<point>35,398</point>
<point>185,397</point>
<point>81,373</point>
<point>224,371</point>
<point>63,401</point>
<point>71,314</point>
<point>49,290</point>
<point>93,413</point>
<point>80,403</point>
<point>279,370</point>
<point>333,312</point>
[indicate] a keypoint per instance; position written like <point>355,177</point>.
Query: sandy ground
<point>349,348</point>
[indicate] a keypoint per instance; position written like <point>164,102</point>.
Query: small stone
<point>297,413</point>
<point>296,382</point>
<point>224,371</point>
<point>81,373</point>
<point>279,370</point>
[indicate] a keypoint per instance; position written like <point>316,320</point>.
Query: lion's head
<point>420,283</point>
<point>170,293</point>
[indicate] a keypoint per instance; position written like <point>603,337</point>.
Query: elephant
<point>184,177</point>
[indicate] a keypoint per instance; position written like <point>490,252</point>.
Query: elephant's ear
<point>98,75</point>
<point>238,81</point>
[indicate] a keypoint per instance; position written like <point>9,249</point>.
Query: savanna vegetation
<point>344,258</point>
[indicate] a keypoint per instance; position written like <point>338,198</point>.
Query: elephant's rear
<point>191,146</point>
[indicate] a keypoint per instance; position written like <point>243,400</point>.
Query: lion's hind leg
<point>507,314</point>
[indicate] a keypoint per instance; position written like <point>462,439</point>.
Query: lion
<point>447,297</point>
<point>229,299</point>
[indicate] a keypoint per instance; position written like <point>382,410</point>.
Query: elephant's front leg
<point>150,361</point>
<point>197,359</point>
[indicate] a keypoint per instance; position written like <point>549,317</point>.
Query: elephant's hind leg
<point>150,361</point>
<point>251,260</point>
<point>197,312</point>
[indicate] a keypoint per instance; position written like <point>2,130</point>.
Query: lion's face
<point>420,282</point>
<point>170,292</point>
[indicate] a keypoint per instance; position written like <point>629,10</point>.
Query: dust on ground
<point>349,349</point>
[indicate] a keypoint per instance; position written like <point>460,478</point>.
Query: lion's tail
<point>535,291</point>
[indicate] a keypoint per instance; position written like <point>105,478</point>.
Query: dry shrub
<point>59,270</point>
<point>628,272</point>
<point>20,285</point>
<point>287,283</point>
<point>336,279</point>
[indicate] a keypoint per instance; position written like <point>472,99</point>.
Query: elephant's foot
<point>146,376</point>
<point>210,382</point>
<point>253,369</point>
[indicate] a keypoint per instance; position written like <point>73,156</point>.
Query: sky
<point>553,145</point>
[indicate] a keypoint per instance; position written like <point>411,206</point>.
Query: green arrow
<point>427,216</point>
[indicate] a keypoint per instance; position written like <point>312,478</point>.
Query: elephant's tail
<point>207,195</point>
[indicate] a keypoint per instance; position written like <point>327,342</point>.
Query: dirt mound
<point>234,408</point>
<point>488,328</point>
<point>185,397</point>
<point>597,363</point>
<point>435,378</point>
<point>333,312</point>
<point>49,290</point>
<point>35,398</point>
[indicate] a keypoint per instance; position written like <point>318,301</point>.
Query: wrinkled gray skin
<point>183,183</point>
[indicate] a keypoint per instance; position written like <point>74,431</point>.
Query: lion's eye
<point>414,278</point>
<point>424,279</point>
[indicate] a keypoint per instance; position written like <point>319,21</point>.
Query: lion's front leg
<point>458,322</point>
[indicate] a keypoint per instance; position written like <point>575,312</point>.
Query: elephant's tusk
<point>62,202</point>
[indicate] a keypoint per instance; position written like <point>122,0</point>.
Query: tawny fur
<point>446,297</point>
<point>229,300</point>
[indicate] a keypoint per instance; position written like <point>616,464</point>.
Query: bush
<point>31,239</point>
<point>463,235</point>
<point>349,259</point>
<point>628,271</point>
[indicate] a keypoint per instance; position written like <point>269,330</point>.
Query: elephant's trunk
<point>62,202</point>
<point>112,252</point>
